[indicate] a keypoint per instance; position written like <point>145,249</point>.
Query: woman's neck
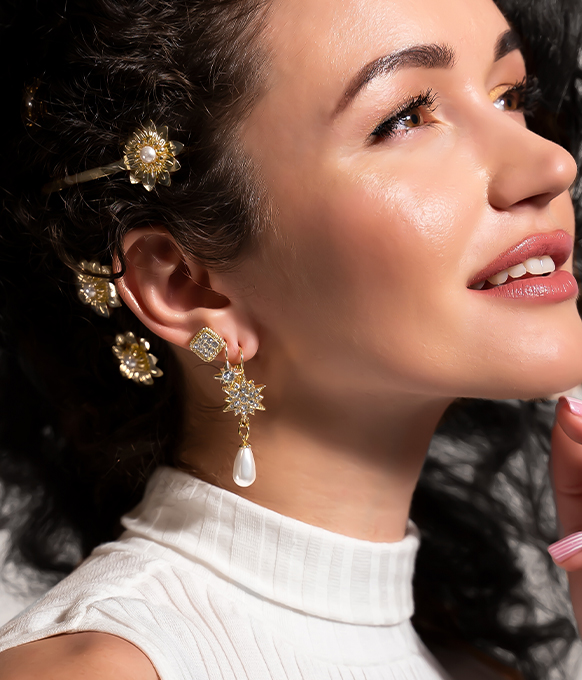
<point>349,468</point>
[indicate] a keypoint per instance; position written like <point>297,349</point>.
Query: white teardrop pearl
<point>244,471</point>
<point>147,154</point>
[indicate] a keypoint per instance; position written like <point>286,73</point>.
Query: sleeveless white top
<point>213,587</point>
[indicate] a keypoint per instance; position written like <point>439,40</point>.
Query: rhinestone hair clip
<point>148,155</point>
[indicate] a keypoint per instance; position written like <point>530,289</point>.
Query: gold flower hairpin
<point>94,289</point>
<point>148,155</point>
<point>135,360</point>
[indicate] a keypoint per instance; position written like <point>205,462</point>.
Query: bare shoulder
<point>92,656</point>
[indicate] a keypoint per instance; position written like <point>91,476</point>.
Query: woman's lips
<point>557,244</point>
<point>555,287</point>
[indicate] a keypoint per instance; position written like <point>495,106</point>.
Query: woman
<point>358,196</point>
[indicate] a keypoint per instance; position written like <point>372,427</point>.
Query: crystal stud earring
<point>207,344</point>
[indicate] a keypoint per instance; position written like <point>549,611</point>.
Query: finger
<point>567,553</point>
<point>567,479</point>
<point>569,417</point>
<point>567,463</point>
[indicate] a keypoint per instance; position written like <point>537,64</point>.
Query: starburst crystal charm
<point>150,157</point>
<point>95,290</point>
<point>228,373</point>
<point>243,396</point>
<point>135,361</point>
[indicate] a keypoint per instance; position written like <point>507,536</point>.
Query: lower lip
<point>556,287</point>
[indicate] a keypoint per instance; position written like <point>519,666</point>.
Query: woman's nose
<point>526,168</point>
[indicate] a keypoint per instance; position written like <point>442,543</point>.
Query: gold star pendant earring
<point>243,398</point>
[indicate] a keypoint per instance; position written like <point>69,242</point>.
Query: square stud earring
<point>207,344</point>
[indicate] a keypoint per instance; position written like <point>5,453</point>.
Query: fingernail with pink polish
<point>572,404</point>
<point>566,548</point>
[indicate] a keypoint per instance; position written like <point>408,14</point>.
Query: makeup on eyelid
<point>524,96</point>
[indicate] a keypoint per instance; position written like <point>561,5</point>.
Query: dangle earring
<point>243,398</point>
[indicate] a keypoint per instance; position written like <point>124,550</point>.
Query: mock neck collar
<point>299,566</point>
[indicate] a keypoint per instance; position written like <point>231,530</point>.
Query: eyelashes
<point>522,96</point>
<point>405,116</point>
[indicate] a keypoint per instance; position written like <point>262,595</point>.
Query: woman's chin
<point>539,365</point>
<point>542,387</point>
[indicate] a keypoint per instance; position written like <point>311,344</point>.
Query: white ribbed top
<point>212,586</point>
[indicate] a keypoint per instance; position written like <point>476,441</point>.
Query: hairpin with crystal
<point>148,155</point>
<point>94,287</point>
<point>135,360</point>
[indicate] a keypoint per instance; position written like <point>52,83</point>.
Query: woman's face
<point>393,148</point>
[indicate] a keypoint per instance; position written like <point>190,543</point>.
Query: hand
<point>567,475</point>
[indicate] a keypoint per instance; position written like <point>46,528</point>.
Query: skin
<point>354,308</point>
<point>566,467</point>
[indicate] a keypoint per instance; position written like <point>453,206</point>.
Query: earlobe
<point>172,294</point>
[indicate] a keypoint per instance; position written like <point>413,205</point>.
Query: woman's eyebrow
<point>506,43</point>
<point>418,56</point>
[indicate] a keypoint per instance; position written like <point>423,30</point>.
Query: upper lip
<point>557,244</point>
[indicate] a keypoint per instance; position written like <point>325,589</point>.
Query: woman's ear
<point>172,295</point>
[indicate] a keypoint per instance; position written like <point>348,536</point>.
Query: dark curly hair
<point>77,443</point>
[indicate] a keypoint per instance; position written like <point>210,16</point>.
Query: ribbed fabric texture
<point>212,586</point>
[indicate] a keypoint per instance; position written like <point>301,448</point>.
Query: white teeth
<point>540,265</point>
<point>518,271</point>
<point>535,266</point>
<point>498,279</point>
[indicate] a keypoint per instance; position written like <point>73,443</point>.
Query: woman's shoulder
<point>123,601</point>
<point>91,655</point>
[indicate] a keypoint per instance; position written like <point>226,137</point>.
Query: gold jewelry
<point>96,290</point>
<point>243,398</point>
<point>148,155</point>
<point>135,361</point>
<point>33,108</point>
<point>207,344</point>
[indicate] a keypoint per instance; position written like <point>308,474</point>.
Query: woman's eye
<point>412,119</point>
<point>509,101</point>
<point>412,114</point>
<point>522,96</point>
